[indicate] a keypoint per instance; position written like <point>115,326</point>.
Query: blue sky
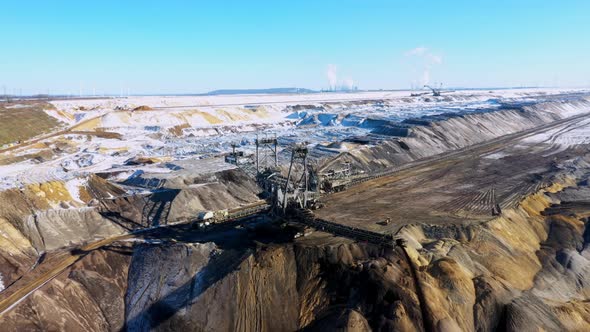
<point>196,46</point>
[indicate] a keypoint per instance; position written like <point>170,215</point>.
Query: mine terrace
<point>441,210</point>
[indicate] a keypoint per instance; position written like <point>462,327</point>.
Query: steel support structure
<point>266,148</point>
<point>301,186</point>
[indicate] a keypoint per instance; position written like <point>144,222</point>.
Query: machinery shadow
<point>153,210</point>
<point>158,312</point>
<point>237,244</point>
<point>156,210</point>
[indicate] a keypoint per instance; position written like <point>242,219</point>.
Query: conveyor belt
<point>306,217</point>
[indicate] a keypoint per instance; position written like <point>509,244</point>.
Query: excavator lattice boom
<point>435,92</point>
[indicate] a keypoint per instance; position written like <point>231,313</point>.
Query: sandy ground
<point>461,189</point>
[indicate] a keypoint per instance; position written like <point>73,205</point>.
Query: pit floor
<point>461,189</point>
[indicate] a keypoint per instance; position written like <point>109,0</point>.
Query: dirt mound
<point>178,129</point>
<point>89,296</point>
<point>182,198</point>
<point>101,188</point>
<point>142,108</point>
<point>33,220</point>
<point>485,282</point>
<point>419,138</point>
<point>141,160</point>
<point>22,123</point>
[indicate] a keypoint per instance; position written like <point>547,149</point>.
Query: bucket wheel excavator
<point>435,92</point>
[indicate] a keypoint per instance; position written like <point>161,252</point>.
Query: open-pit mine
<point>364,211</point>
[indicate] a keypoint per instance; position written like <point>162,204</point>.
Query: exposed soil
<point>495,239</point>
<point>19,122</point>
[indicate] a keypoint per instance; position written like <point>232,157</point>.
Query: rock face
<point>260,290</point>
<point>518,272</point>
<point>53,229</point>
<point>89,296</point>
<point>32,222</point>
<point>348,320</point>
<point>273,288</point>
<point>182,198</point>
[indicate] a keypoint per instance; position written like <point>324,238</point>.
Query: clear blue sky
<point>196,46</point>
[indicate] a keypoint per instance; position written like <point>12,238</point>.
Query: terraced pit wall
<point>415,139</point>
<point>483,277</point>
<point>44,217</point>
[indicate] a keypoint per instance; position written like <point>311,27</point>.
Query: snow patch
<point>73,187</point>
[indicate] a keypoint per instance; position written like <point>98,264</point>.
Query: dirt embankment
<point>182,198</point>
<point>419,138</point>
<point>45,217</point>
<point>523,270</point>
<point>19,122</point>
<point>89,296</point>
<point>275,288</point>
<point>493,275</point>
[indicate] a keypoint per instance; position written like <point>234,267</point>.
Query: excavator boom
<point>435,92</point>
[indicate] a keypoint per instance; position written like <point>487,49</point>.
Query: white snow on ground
<point>86,109</point>
<point>73,187</point>
<point>562,138</point>
<point>496,155</point>
<point>287,99</point>
<point>208,125</point>
<point>16,106</point>
<point>578,133</point>
<point>60,117</point>
<point>1,283</point>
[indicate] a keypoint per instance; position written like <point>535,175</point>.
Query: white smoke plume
<point>332,76</point>
<point>348,84</point>
<point>418,51</point>
<point>425,76</point>
<point>427,61</point>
